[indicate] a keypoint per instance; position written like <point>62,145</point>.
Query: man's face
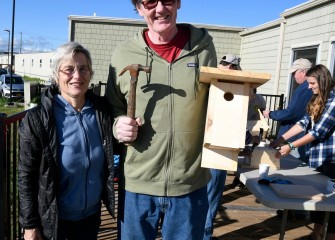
<point>222,67</point>
<point>227,67</point>
<point>300,76</point>
<point>162,19</point>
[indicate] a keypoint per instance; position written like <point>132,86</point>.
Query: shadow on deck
<point>240,217</point>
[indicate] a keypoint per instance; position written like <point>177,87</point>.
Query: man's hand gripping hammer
<point>134,70</point>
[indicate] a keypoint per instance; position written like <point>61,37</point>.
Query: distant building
<point>306,30</point>
<point>30,64</point>
<point>36,65</point>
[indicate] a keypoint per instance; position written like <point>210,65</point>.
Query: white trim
<point>331,55</point>
<point>306,44</point>
<point>303,7</point>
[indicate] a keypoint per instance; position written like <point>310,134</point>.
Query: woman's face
<point>313,85</point>
<point>74,77</point>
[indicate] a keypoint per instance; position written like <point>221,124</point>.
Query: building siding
<point>313,26</point>
<point>260,52</point>
<point>266,48</point>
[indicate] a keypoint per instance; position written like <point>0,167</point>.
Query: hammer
<point>134,70</point>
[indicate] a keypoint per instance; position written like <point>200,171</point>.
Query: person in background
<point>66,154</point>
<point>318,127</point>
<point>230,61</point>
<point>256,101</point>
<point>296,108</point>
<point>216,185</point>
<point>162,183</point>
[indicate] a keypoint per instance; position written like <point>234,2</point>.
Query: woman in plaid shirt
<point>319,125</point>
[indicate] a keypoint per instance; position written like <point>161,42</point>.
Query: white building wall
<point>259,53</point>
<point>36,65</point>
<point>4,60</point>
<point>269,47</point>
<point>314,26</point>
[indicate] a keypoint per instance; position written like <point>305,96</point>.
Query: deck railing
<point>9,148</point>
<point>9,154</point>
<point>273,102</point>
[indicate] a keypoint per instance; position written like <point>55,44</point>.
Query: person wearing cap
<point>216,185</point>
<point>296,108</point>
<point>230,61</point>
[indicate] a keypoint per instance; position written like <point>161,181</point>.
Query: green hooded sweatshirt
<point>165,159</point>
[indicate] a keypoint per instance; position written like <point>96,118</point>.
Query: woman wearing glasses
<point>66,154</point>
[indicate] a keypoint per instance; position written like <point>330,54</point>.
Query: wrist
<point>292,147</point>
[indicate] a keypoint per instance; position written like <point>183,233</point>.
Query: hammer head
<point>134,69</point>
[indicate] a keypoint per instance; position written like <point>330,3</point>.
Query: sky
<point>41,26</point>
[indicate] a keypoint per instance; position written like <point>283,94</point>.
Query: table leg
<point>283,224</point>
<point>325,225</point>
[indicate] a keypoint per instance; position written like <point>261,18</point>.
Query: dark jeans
<point>86,228</point>
<point>215,190</point>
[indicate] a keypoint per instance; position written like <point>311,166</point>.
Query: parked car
<point>17,86</point>
<point>2,71</point>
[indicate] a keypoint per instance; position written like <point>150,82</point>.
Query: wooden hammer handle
<point>131,107</point>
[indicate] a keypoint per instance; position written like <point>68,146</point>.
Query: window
<point>50,62</point>
<point>32,62</point>
<point>15,80</point>
<point>40,63</point>
<point>309,53</point>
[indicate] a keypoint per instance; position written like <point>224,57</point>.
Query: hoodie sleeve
<point>296,109</point>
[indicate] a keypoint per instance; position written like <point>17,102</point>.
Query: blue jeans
<point>214,191</point>
<point>181,217</point>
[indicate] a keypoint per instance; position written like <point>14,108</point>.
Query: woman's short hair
<point>65,51</point>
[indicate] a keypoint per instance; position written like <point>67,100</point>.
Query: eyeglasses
<point>235,59</point>
<point>153,3</point>
<point>69,71</point>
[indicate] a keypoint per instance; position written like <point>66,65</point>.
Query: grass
<point>30,79</point>
<point>10,110</point>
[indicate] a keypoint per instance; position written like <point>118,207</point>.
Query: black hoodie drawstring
<point>149,61</point>
<point>197,72</point>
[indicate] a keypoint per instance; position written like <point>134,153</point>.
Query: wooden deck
<point>240,217</point>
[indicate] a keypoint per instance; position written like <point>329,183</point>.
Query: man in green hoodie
<point>162,181</point>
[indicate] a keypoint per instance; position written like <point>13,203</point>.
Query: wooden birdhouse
<point>227,111</point>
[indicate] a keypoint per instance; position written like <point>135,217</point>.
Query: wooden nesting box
<point>264,155</point>
<point>227,112</point>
